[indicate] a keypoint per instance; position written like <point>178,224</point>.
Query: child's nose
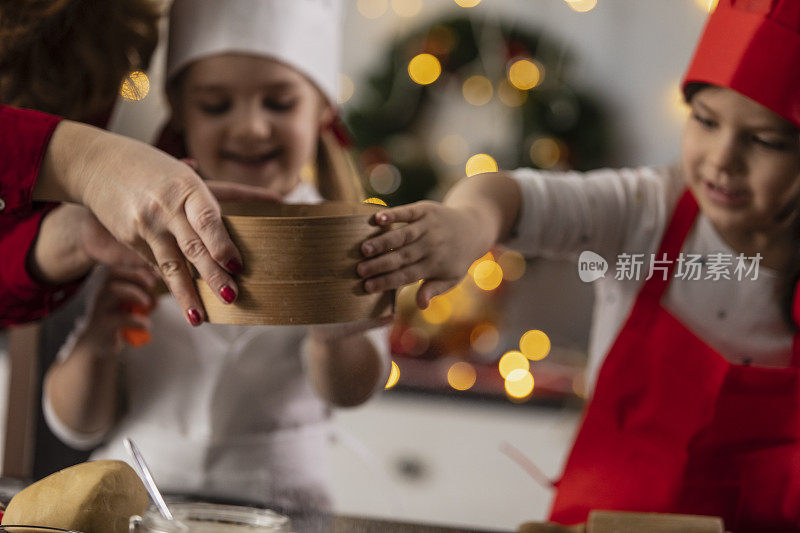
<point>252,124</point>
<point>725,153</point>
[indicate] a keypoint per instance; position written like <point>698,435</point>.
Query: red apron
<point>674,427</point>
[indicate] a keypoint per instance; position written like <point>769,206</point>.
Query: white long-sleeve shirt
<point>613,212</point>
<point>222,409</point>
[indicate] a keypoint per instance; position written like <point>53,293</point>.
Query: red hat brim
<point>752,55</point>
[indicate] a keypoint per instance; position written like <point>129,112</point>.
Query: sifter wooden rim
<point>300,265</point>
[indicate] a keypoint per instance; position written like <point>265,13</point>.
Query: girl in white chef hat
<point>228,410</point>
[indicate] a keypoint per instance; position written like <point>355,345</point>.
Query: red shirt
<point>24,136</point>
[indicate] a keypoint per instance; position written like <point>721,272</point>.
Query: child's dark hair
<point>69,57</point>
<point>791,274</point>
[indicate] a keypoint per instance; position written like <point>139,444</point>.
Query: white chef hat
<point>304,34</point>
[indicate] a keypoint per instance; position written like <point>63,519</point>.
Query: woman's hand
<point>150,202</point>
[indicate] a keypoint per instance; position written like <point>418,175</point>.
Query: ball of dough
<point>93,497</point>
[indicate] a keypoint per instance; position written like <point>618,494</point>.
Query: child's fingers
<point>392,240</point>
<point>121,292</point>
<point>394,260</point>
<point>396,279</point>
<point>430,289</point>
<point>403,213</point>
<point>145,277</point>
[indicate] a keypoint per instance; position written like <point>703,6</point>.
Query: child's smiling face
<point>741,161</point>
<point>250,119</point>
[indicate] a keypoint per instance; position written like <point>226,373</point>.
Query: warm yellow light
<point>346,88</point>
<point>707,5</point>
<point>519,384</point>
<point>486,257</point>
<point>676,104</point>
<point>372,9</point>
<point>467,3</point>
<point>535,344</point>
<point>512,361</point>
<point>424,69</point>
<point>510,95</point>
<point>513,265</point>
<point>477,90</point>
<point>376,201</point>
<point>438,311</point>
<point>394,376</point>
<point>524,74</point>
<point>484,338</point>
<point>135,87</point>
<point>488,275</point>
<point>453,149</point>
<point>480,164</point>
<point>407,8</point>
<point>582,6</point>
<point>546,152</point>
<point>461,375</point>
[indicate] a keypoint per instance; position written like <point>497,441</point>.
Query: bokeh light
<point>461,375</point>
<point>372,9</point>
<point>424,69</point>
<point>480,164</point>
<point>512,361</point>
<point>486,257</point>
<point>582,6</point>
<point>346,88</point>
<point>546,152</point>
<point>394,376</point>
<point>376,201</point>
<point>707,5</point>
<point>484,338</point>
<point>510,95</point>
<point>513,265</point>
<point>488,275</point>
<point>407,8</point>
<point>384,178</point>
<point>477,90</point>
<point>535,344</point>
<point>438,311</point>
<point>519,384</point>
<point>135,87</point>
<point>453,149</point>
<point>467,3</point>
<point>524,74</point>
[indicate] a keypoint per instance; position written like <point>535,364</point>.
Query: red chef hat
<point>753,47</point>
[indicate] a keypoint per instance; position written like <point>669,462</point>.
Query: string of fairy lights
<point>523,74</point>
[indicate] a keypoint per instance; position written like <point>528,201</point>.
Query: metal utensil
<point>147,479</point>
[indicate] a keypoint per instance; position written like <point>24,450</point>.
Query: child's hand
<point>438,244</point>
<point>119,312</point>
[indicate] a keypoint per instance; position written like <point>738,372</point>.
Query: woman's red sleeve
<point>24,136</point>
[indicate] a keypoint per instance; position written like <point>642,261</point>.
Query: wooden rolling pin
<point>626,522</point>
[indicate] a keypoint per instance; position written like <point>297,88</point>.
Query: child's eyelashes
<point>704,121</point>
<point>285,104</point>
<point>778,146</point>
<point>215,108</point>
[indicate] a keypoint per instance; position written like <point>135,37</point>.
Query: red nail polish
<point>194,317</point>
<point>227,294</point>
<point>234,266</point>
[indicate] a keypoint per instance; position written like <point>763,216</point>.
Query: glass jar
<point>211,518</point>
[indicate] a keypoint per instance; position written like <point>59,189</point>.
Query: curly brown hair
<point>69,57</point>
